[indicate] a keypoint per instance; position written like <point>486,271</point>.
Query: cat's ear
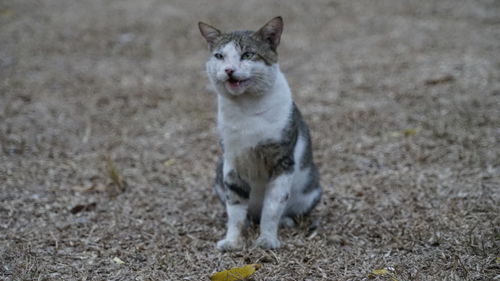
<point>209,32</point>
<point>271,31</point>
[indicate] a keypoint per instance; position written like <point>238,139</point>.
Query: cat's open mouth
<point>237,83</point>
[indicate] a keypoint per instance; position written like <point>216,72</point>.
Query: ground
<point>108,142</point>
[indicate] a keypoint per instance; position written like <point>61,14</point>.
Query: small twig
<point>114,174</point>
<point>439,80</point>
<point>55,240</point>
<point>88,132</point>
<point>275,257</point>
<point>463,266</point>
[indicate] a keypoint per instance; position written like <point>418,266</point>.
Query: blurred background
<point>108,142</point>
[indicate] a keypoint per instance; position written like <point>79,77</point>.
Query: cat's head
<point>243,62</point>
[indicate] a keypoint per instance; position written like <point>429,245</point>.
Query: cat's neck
<point>247,120</point>
<point>275,100</point>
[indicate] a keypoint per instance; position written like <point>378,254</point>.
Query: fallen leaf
<point>169,162</point>
<point>236,273</point>
<point>117,260</point>
<point>77,209</point>
<point>382,272</point>
<point>378,272</point>
<point>409,132</point>
<point>6,13</point>
<point>83,208</point>
<point>114,174</point>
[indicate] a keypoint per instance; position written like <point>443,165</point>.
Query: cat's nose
<point>229,71</point>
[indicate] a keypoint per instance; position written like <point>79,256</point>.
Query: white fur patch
<point>249,120</point>
<point>235,223</point>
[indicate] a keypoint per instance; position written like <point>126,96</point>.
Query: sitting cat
<point>266,172</point>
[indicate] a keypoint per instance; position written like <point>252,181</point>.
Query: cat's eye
<point>247,55</point>
<point>218,56</point>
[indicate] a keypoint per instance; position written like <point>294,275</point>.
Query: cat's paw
<point>287,222</point>
<point>227,245</point>
<point>267,242</point>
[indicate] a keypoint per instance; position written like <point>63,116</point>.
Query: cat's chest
<point>243,139</point>
<point>240,133</point>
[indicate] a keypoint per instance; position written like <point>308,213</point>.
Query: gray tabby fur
<point>273,158</point>
<point>270,176</point>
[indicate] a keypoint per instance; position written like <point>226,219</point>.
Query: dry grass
<point>108,143</point>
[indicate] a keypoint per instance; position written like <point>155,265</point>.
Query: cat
<point>266,172</point>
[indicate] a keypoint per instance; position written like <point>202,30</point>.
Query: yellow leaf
<point>236,273</point>
<point>379,272</point>
<point>117,260</point>
<point>406,133</point>
<point>409,132</point>
<point>382,272</point>
<point>498,260</point>
<point>114,174</point>
<point>6,13</point>
<point>169,162</point>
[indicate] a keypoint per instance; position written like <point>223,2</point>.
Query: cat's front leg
<point>236,220</point>
<point>275,201</point>
<point>237,193</point>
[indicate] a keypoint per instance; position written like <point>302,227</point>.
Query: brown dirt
<point>108,143</point>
